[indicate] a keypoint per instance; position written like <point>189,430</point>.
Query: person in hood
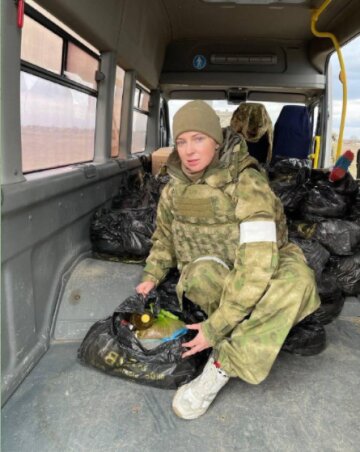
<point>220,224</point>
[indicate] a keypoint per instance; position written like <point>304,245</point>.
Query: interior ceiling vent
<point>265,60</point>
<point>258,2</point>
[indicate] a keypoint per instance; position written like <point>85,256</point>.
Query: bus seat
<point>292,133</point>
<point>253,122</point>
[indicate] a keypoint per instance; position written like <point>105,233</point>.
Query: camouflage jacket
<point>203,219</point>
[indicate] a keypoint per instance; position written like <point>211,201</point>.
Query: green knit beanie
<point>197,116</point>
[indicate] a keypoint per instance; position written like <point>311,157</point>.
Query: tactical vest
<point>204,221</point>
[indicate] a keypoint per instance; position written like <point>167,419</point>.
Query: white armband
<point>257,231</point>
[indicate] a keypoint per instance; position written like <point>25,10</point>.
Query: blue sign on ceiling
<point>199,62</point>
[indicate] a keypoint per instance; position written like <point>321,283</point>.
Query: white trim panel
<point>212,258</point>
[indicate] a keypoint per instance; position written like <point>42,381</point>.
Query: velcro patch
<point>194,207</point>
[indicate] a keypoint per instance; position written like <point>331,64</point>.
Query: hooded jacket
<point>204,218</point>
<point>253,122</point>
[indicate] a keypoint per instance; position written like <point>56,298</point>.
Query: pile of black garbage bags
<point>124,229</point>
<point>324,220</point>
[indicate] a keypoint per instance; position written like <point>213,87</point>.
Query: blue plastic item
<point>176,334</point>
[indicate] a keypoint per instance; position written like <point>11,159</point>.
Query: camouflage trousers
<point>250,350</point>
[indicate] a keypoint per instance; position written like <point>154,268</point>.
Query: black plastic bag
<point>347,272</point>
<point>291,165</point>
<point>306,338</point>
<point>301,229</point>
<point>316,255</point>
<point>354,214</point>
<point>167,293</point>
<point>141,190</point>
<point>126,232</point>
<point>346,186</point>
<point>289,181</point>
<point>319,176</point>
<point>311,218</point>
<point>113,348</point>
<point>328,199</point>
<point>340,237</point>
<point>332,298</point>
<point>145,161</point>
<point>323,201</point>
<point>291,190</point>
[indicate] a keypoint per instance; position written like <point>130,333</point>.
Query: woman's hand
<point>145,287</point>
<point>198,344</point>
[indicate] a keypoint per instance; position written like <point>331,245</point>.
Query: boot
<point>193,399</point>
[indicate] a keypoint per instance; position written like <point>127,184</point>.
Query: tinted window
<point>58,96</point>
<point>57,124</point>
<point>40,46</point>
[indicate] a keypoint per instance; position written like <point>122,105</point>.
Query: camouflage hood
<point>253,122</point>
<point>233,158</point>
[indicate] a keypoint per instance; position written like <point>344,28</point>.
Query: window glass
<point>41,46</point>
<point>81,66</point>
<point>136,97</point>
<point>225,110</point>
<point>144,101</point>
<point>139,132</point>
<point>118,93</point>
<point>57,124</point>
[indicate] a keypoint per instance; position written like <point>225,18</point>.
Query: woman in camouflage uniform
<point>219,222</point>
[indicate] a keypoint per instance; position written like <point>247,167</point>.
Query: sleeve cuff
<point>148,277</point>
<point>215,329</point>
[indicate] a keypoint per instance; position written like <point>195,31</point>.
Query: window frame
<point>66,38</point>
<point>141,89</point>
<point>138,109</point>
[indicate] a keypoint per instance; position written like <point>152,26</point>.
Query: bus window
<point>118,93</point>
<point>81,67</point>
<point>58,95</point>
<point>41,46</point>
<point>140,119</point>
<point>225,110</point>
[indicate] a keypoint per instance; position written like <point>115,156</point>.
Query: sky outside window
<point>351,55</point>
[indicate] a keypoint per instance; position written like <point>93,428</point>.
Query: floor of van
<point>306,404</point>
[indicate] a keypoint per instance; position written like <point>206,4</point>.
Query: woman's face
<point>196,150</point>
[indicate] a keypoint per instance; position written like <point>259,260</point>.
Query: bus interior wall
<point>70,139</point>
